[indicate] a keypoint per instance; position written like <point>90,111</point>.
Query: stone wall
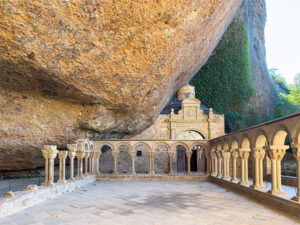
<point>25,199</point>
<point>159,130</point>
<point>161,160</point>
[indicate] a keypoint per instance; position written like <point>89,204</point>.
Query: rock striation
<point>94,69</point>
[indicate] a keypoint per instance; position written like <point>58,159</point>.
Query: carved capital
<point>71,154</point>
<point>188,154</point>
<point>151,154</point>
<point>79,154</point>
<point>92,154</point>
<point>97,154</point>
<point>234,154</point>
<point>276,154</point>
<point>170,153</point>
<point>86,155</point>
<point>132,154</point>
<point>72,147</point>
<point>296,151</point>
<point>62,154</point>
<point>219,154</point>
<point>114,153</point>
<point>244,154</point>
<point>45,153</point>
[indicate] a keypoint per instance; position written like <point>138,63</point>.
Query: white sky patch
<point>282,36</point>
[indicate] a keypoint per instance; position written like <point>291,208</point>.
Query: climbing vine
<point>224,82</point>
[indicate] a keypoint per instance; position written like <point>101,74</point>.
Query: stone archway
<point>190,135</point>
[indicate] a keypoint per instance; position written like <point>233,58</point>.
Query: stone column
<point>261,169</point>
<point>244,154</point>
<point>71,155</point>
<point>46,157</point>
<point>97,155</point>
<point>234,155</point>
<point>91,163</point>
<point>226,165</point>
<point>79,156</point>
<point>258,156</point>
<point>208,163</point>
<point>296,153</point>
<point>86,161</point>
<point>213,169</point>
<point>188,155</point>
<point>276,153</point>
<point>62,166</point>
<point>170,153</point>
<point>255,156</point>
<point>132,154</point>
<point>115,155</point>
<point>52,153</point>
<point>219,156</point>
<point>151,167</point>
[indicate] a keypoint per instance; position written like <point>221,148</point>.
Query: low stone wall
<point>285,180</point>
<point>287,206</point>
<point>167,177</point>
<point>24,199</point>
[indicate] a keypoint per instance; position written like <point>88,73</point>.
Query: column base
<point>272,192</point>
<point>44,184</point>
<point>256,187</point>
<point>85,174</point>
<point>61,181</point>
<point>296,198</point>
<point>226,178</point>
<point>134,173</point>
<point>79,176</point>
<point>244,183</point>
<point>71,178</point>
<point>50,184</point>
<point>234,180</point>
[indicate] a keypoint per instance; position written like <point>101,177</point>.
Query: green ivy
<point>224,82</point>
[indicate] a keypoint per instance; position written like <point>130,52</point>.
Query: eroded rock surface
<point>95,69</point>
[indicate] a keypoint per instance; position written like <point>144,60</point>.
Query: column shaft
<point>234,170</point>
<point>71,168</point>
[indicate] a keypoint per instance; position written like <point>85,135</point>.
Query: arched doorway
<point>198,159</point>
<point>190,135</point>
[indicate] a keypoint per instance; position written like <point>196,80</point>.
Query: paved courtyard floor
<point>149,202</point>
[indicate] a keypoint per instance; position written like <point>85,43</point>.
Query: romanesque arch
<point>141,157</point>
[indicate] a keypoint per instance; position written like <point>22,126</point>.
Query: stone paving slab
<point>149,202</point>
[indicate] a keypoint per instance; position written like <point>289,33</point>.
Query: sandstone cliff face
<point>253,12</point>
<point>95,69</point>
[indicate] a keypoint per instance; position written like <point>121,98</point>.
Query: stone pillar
<point>213,169</point>
<point>224,164</point>
<point>226,157</point>
<point>234,155</point>
<point>86,162</point>
<point>255,157</point>
<point>244,154</point>
<point>52,153</point>
<point>71,155</point>
<point>151,167</point>
<point>62,166</point>
<point>296,153</point>
<point>188,155</point>
<point>170,153</point>
<point>46,157</point>
<point>91,163</point>
<point>208,163</point>
<point>276,153</point>
<point>115,155</point>
<point>132,154</point>
<point>258,156</point>
<point>97,155</point>
<point>79,156</point>
<point>219,156</point>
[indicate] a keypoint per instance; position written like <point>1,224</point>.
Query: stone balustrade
<point>264,144</point>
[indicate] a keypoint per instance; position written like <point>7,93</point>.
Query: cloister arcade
<point>245,158</point>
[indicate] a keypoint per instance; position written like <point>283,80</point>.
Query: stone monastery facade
<point>185,119</point>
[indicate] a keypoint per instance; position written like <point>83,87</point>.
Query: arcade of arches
<point>187,142</point>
